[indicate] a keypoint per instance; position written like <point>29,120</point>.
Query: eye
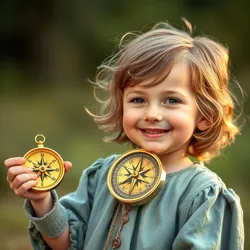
<point>137,100</point>
<point>172,100</point>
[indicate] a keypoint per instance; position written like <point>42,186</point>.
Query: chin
<point>158,152</point>
<point>155,150</point>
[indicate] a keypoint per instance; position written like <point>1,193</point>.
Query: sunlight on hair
<point>151,55</point>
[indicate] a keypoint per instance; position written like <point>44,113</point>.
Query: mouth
<point>154,132</point>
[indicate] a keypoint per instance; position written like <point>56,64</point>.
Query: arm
<point>64,222</point>
<point>60,242</point>
<point>43,207</point>
<point>21,179</point>
<point>213,219</point>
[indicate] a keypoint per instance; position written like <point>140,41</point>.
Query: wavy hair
<point>151,55</point>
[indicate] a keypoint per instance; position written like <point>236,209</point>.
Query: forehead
<point>177,78</point>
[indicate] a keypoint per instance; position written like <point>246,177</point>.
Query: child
<point>168,95</point>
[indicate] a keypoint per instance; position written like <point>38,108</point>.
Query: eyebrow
<point>139,92</point>
<point>163,93</point>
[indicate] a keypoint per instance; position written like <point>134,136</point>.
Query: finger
<point>25,187</point>
<point>14,161</point>
<point>67,165</point>
<point>21,179</point>
<point>16,170</point>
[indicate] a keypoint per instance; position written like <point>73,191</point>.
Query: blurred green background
<point>48,50</point>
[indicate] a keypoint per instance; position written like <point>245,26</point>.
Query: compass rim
<point>148,193</point>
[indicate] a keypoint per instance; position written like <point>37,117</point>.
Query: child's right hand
<point>21,179</point>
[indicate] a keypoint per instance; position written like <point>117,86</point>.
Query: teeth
<point>154,132</point>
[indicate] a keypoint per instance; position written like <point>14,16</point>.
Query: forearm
<point>43,207</point>
<point>61,242</point>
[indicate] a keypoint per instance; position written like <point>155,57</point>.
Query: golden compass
<point>46,163</point>
<point>136,177</point>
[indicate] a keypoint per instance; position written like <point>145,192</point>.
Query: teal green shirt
<point>194,210</point>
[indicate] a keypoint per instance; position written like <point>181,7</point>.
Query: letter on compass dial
<point>135,176</point>
<point>43,169</point>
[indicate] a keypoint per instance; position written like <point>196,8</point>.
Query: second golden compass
<point>46,163</point>
<point>136,177</point>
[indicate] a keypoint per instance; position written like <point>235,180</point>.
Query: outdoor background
<point>48,50</point>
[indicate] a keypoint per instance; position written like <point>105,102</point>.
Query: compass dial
<point>48,166</point>
<point>136,177</point>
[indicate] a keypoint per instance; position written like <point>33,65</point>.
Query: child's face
<point>161,118</point>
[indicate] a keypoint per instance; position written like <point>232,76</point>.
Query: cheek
<point>128,120</point>
<point>183,119</point>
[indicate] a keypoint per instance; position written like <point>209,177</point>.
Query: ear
<point>203,124</point>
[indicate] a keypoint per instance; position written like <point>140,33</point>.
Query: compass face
<point>48,166</point>
<point>135,176</point>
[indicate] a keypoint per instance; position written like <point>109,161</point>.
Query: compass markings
<point>135,176</point>
<point>34,164</point>
<point>127,169</point>
<point>133,182</point>
<point>49,165</point>
<point>128,180</point>
<point>42,162</point>
<point>43,169</point>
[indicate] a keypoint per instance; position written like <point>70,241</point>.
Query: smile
<point>153,133</point>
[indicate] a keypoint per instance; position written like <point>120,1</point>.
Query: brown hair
<point>151,55</point>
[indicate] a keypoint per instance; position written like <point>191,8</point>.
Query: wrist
<point>41,198</point>
<point>43,206</point>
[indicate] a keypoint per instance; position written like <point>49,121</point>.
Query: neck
<point>175,161</point>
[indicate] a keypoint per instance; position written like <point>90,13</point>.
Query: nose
<point>153,114</point>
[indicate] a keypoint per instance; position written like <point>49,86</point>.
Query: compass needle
<point>144,172</point>
<point>34,164</point>
<point>140,178</point>
<point>51,169</point>
<point>132,185</point>
<point>140,168</point>
<point>42,159</point>
<point>47,173</point>
<point>128,180</point>
<point>127,168</point>
<point>42,177</point>
<point>136,168</point>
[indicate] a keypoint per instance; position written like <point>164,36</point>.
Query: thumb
<point>67,165</point>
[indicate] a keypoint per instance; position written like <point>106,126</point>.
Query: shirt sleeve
<point>213,220</point>
<point>73,209</point>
